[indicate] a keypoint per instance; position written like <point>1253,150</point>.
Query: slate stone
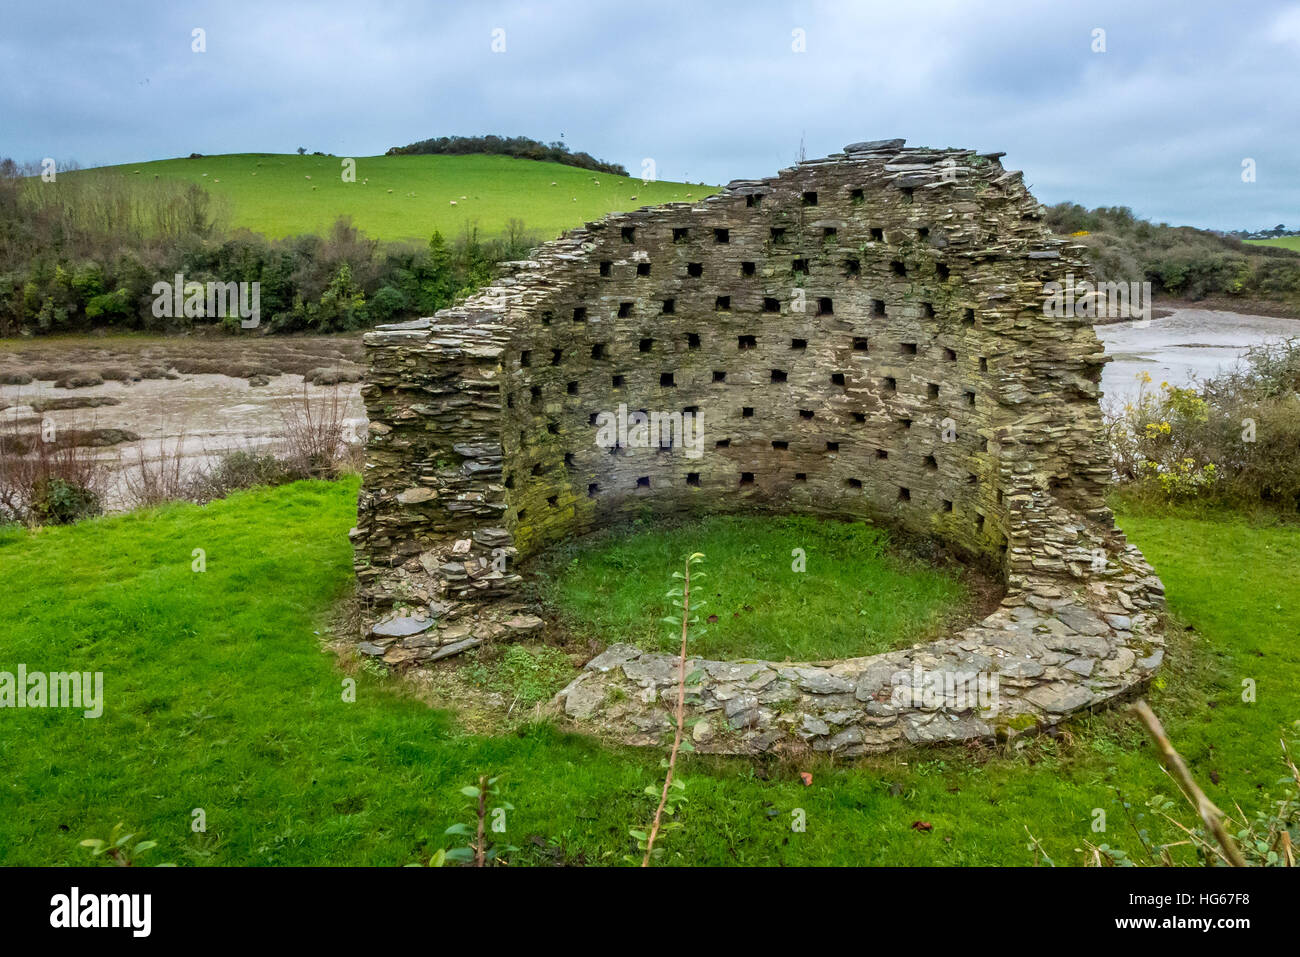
<point>401,627</point>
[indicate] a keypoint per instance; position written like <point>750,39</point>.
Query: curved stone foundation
<point>861,337</point>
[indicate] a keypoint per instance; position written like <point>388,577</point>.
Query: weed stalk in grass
<point>1210,814</point>
<point>669,783</point>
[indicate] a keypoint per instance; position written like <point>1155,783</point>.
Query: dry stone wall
<point>861,336</point>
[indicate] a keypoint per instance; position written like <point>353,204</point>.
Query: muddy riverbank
<point>156,399</point>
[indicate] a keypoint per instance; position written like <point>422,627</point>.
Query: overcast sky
<point>1161,121</point>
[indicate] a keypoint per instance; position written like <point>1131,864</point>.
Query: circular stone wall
<point>862,336</point>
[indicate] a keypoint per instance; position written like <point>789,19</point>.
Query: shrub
<point>238,470</point>
<point>314,435</point>
<point>57,501</point>
<point>1233,439</point>
<point>48,482</point>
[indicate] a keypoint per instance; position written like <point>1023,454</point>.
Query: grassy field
<point>853,597</point>
<point>219,697</point>
<point>1286,242</point>
<point>407,197</point>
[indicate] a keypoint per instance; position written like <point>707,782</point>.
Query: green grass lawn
<point>407,197</point>
<point>1286,242</point>
<point>853,596</point>
<point>219,697</point>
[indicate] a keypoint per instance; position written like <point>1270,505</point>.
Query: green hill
<point>1285,242</point>
<point>407,197</point>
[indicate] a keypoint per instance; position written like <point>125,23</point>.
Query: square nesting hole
<point>798,344</point>
<point>747,269</point>
<point>722,235</point>
<point>669,307</point>
<point>771,305</point>
<point>810,198</point>
<point>606,268</point>
<point>643,270</point>
<point>624,310</point>
<point>719,376</point>
<point>746,342</point>
<point>681,234</point>
<point>695,270</point>
<point>629,234</point>
<point>667,379</point>
<point>722,303</point>
<point>778,375</point>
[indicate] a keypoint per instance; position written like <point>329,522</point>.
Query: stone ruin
<point>860,337</point>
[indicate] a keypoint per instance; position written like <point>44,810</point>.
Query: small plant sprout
<point>121,847</point>
<point>479,851</point>
<point>673,794</point>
